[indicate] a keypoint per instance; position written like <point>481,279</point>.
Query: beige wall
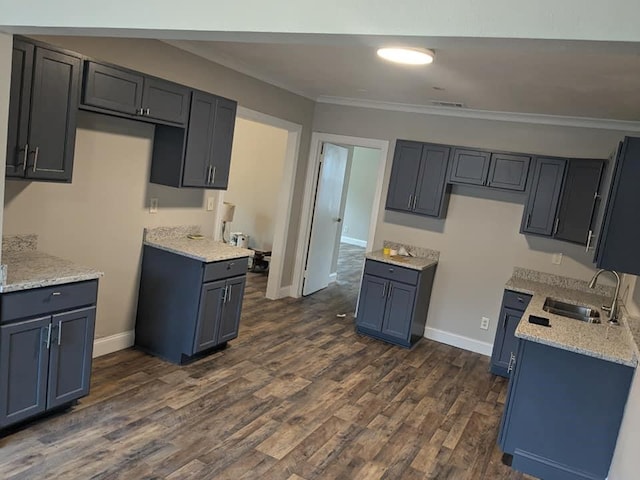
<point>6,42</point>
<point>98,219</point>
<point>479,240</point>
<point>257,162</point>
<point>360,193</point>
<point>160,59</point>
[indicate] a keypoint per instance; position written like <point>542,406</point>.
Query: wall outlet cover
<point>556,258</point>
<point>153,205</point>
<point>484,323</point>
<point>211,203</point>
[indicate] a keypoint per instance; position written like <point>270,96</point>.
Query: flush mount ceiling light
<point>407,56</point>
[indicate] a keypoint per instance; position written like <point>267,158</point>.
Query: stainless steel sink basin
<point>577,312</point>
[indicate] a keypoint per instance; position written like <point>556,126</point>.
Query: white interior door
<point>326,220</point>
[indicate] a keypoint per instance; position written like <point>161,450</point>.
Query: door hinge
<point>322,149</point>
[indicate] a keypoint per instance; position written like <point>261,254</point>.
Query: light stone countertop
<point>175,240</point>
<point>28,269</point>
<point>604,341</point>
<point>415,263</point>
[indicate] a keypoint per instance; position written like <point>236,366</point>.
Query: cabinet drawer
<point>391,272</point>
<point>225,269</point>
<point>47,300</point>
<point>515,300</point>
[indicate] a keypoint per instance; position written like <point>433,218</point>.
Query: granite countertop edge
<point>32,284</point>
<point>414,263</point>
<point>214,257</point>
<point>624,344</point>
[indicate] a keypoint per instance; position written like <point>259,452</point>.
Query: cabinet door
<point>70,357</point>
<point>508,171</point>
<point>506,343</point>
<point>232,309</point>
<point>222,142</point>
<point>209,314</point>
<point>371,305</point>
<point>54,107</point>
<point>24,358</point>
<point>542,204</point>
<point>112,89</point>
<point>197,160</point>
<point>431,181</point>
<point>166,101</point>
<point>579,198</point>
<point>399,311</point>
<point>469,167</point>
<point>620,232</point>
<point>404,172</point>
<point>19,102</point>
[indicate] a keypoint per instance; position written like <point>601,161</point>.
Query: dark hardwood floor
<point>298,395</point>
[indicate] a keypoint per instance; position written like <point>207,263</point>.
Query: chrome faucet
<point>612,311</point>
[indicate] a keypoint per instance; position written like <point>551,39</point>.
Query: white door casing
<point>326,217</point>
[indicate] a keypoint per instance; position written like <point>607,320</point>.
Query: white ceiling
<point>581,79</point>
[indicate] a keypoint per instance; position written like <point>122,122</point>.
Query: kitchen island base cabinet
<point>563,413</point>
<point>394,302</point>
<point>186,307</point>
<point>45,356</point>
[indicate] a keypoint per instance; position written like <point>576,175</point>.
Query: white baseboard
<point>285,292</point>
<point>459,341</point>
<point>113,343</point>
<point>354,241</point>
<point>333,277</point>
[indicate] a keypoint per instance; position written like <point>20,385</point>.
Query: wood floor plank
<point>297,396</point>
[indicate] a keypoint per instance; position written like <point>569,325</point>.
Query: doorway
<point>261,189</point>
<point>340,210</point>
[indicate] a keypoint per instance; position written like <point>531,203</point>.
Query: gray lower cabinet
<point>45,360</point>
<point>203,158</point>
<point>44,97</point>
<point>187,307</point>
<point>619,236</point>
<point>394,302</point>
<point>563,198</point>
<point>563,413</point>
<point>505,344</point>
<point>418,179</point>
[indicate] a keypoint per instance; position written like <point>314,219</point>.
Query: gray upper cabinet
<point>544,196</point>
<point>508,171</point>
<point>45,91</point>
<point>620,231</point>
<point>418,179</point>
<point>112,88</point>
<point>165,101</point>
<point>580,196</point>
<point>122,91</point>
<point>19,102</point>
<point>469,167</point>
<point>223,130</point>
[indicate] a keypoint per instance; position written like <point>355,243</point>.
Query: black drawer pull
<point>520,299</point>
<point>391,270</point>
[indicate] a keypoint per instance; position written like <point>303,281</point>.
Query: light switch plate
<point>556,258</point>
<point>211,203</point>
<point>153,205</point>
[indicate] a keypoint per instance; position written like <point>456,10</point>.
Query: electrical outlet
<point>556,258</point>
<point>211,203</point>
<point>153,205</point>
<point>345,229</point>
<point>484,323</point>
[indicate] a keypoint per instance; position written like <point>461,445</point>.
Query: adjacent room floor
<point>299,395</point>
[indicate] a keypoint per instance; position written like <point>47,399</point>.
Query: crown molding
<point>532,118</point>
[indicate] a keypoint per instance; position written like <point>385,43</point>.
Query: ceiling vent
<point>437,103</point>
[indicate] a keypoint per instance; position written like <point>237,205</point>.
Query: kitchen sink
<point>577,312</point>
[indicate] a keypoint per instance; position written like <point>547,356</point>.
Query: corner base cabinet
<point>187,308</point>
<point>394,302</point>
<point>563,413</point>
<point>46,345</point>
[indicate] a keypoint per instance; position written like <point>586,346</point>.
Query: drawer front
<point>515,300</point>
<point>225,269</point>
<point>47,300</point>
<point>392,272</point>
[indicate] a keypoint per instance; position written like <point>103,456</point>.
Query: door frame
<point>317,139</point>
<point>285,198</point>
